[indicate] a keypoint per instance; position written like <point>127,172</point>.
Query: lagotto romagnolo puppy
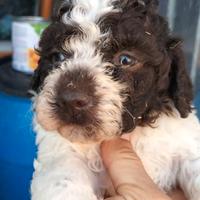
<point>110,67</point>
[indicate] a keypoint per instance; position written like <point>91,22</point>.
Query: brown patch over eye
<point>125,59</point>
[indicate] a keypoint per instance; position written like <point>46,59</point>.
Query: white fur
<point>63,170</point>
<point>170,153</point>
<point>88,11</point>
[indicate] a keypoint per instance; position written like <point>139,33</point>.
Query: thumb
<point>127,173</point>
<point>121,162</point>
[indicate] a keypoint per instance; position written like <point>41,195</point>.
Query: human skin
<point>130,180</point>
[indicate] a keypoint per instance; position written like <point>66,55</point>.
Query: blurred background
<point>17,140</point>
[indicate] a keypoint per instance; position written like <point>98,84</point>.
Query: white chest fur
<point>170,153</point>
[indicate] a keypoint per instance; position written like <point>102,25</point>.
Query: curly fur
<point>150,98</point>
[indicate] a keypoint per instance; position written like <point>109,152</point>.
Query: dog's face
<point>107,66</point>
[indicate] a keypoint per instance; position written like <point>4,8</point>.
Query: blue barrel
<point>17,148</point>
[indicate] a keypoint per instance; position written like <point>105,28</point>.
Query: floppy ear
<point>49,47</point>
<point>180,88</point>
<point>42,71</point>
<point>48,42</point>
<point>51,51</point>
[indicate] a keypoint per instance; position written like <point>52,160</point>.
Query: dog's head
<point>107,66</point>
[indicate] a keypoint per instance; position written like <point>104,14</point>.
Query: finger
<point>126,136</point>
<point>122,163</point>
<point>116,148</point>
<point>126,171</point>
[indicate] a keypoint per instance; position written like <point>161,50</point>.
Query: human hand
<point>128,175</point>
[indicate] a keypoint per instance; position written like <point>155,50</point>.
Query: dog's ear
<point>49,48</point>
<point>180,88</point>
<point>42,71</point>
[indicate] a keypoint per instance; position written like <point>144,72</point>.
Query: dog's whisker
<point>133,118</point>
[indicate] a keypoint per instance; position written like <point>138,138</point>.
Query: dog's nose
<point>76,100</point>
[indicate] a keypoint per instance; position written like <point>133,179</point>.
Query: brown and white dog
<point>110,67</point>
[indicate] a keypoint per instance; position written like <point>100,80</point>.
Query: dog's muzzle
<point>81,102</point>
<point>75,97</point>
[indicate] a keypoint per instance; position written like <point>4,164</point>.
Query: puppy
<point>110,67</point>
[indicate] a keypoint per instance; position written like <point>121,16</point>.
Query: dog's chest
<point>163,148</point>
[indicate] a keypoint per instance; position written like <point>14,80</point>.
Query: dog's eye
<point>126,60</point>
<point>58,57</point>
<point>61,57</point>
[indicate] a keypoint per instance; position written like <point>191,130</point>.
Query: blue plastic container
<point>17,149</point>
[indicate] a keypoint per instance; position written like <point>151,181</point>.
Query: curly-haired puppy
<point>110,67</point>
